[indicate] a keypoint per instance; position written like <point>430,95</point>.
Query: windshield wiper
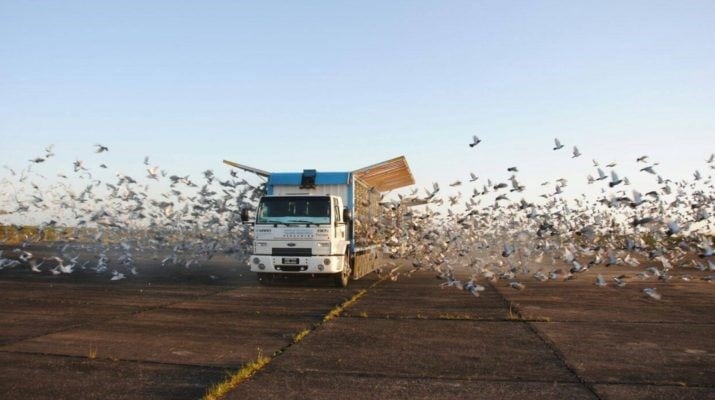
<point>272,222</point>
<point>300,221</point>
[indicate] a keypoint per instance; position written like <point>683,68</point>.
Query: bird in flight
<point>650,292</point>
<point>558,144</point>
<point>117,276</point>
<point>475,141</point>
<point>601,175</point>
<point>600,281</point>
<point>614,179</point>
<point>649,169</point>
<point>100,148</point>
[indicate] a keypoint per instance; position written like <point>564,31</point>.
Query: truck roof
<point>321,178</point>
<point>384,176</point>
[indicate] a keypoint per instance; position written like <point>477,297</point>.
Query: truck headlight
<point>256,260</point>
<point>326,261</point>
<point>261,244</point>
<point>323,244</point>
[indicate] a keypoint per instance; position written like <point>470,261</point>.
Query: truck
<point>321,223</point>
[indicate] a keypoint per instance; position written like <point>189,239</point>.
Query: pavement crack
<point>252,367</point>
<point>655,383</point>
<point>363,374</point>
<point>516,316</point>
<point>116,360</point>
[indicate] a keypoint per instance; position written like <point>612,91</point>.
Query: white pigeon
<point>116,276</point>
<point>34,266</point>
<point>651,292</point>
<point>600,281</point>
<point>620,281</point>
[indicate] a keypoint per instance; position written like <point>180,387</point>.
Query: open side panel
<point>246,168</point>
<point>387,175</point>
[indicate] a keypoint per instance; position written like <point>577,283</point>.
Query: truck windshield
<point>294,210</point>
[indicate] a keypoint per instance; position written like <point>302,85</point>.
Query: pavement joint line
<point>535,320</point>
<point>437,378</point>
<point>117,360</point>
<point>411,318</point>
<point>492,319</point>
<point>220,389</point>
<point>112,318</point>
<point>549,344</point>
<point>495,379</point>
<point>566,321</point>
<point>655,383</point>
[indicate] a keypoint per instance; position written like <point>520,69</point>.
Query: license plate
<point>291,261</point>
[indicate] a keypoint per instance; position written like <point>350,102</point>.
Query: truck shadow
<point>297,280</point>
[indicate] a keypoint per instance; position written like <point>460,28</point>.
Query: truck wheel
<point>342,278</point>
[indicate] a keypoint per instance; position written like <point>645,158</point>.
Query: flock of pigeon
<point>106,226</point>
<point>663,233</point>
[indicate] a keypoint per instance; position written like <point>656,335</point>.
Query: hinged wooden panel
<point>387,175</point>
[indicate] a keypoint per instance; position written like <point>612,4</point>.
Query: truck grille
<point>299,252</point>
<point>291,268</point>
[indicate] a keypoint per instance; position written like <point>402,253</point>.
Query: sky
<point>284,86</point>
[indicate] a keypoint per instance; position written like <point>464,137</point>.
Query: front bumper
<point>305,265</point>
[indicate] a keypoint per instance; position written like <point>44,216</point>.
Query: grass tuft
<point>300,335</point>
<point>220,389</point>
<point>513,315</point>
<point>337,310</point>
<point>460,317</point>
<point>92,353</point>
<point>249,369</point>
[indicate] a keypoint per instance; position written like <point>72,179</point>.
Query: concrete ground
<point>172,333</point>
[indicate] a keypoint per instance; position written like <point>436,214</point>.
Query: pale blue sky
<point>338,85</point>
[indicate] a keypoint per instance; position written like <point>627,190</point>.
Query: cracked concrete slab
<point>278,384</point>
<point>431,349</point>
<point>38,376</point>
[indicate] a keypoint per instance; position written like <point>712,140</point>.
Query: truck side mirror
<point>244,215</point>
<point>346,215</point>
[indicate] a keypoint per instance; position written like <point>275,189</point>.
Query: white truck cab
<point>301,233</point>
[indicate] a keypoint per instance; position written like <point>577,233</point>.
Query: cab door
<point>339,226</point>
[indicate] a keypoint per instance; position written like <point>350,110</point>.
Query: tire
<point>342,278</point>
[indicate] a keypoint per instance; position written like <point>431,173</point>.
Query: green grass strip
<point>220,389</point>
